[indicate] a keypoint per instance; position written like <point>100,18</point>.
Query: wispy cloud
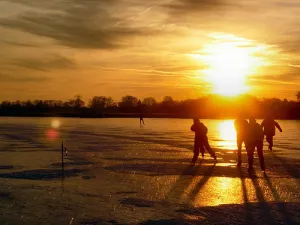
<point>20,78</point>
<point>185,6</point>
<point>19,44</point>
<point>45,64</point>
<point>78,24</point>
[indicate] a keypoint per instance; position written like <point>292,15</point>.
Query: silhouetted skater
<point>140,109</point>
<point>201,140</point>
<point>240,125</point>
<point>254,139</point>
<point>142,120</point>
<point>269,125</point>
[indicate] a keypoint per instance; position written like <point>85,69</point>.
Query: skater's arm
<point>278,127</point>
<point>235,125</point>
<point>193,127</point>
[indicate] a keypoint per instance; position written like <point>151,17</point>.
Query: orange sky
<point>183,48</point>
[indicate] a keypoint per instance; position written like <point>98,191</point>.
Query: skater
<point>201,140</point>
<point>269,125</point>
<point>142,120</point>
<point>254,139</point>
<point>140,108</point>
<point>240,125</point>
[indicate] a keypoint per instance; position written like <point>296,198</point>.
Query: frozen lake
<point>174,132</point>
<point>117,172</point>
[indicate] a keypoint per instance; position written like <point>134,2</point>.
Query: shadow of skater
<point>240,125</point>
<point>206,175</point>
<point>269,125</point>
<point>255,137</point>
<point>264,208</point>
<point>201,140</point>
<point>281,205</point>
<point>248,210</point>
<point>185,179</point>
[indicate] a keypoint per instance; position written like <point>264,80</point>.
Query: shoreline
<point>121,115</point>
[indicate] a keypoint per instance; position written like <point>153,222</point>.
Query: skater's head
<point>240,115</point>
<point>252,120</point>
<point>269,116</point>
<point>196,120</point>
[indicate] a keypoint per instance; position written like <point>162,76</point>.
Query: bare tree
<point>298,96</point>
<point>149,101</point>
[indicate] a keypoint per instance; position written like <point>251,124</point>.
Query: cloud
<point>19,44</point>
<point>77,24</point>
<point>285,79</point>
<point>151,71</point>
<point>194,5</point>
<point>20,78</point>
<point>45,64</point>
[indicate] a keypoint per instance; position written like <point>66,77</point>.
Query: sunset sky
<point>182,48</point>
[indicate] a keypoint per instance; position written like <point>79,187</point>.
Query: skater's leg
<point>209,149</point>
<point>270,141</point>
<point>202,150</point>
<point>250,151</point>
<point>239,151</point>
<point>260,153</point>
<point>196,151</point>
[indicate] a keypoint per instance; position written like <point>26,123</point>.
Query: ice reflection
<point>55,123</point>
<point>227,134</point>
<point>52,134</point>
<point>220,190</point>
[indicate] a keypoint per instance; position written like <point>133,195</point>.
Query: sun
<point>228,67</point>
<point>228,63</point>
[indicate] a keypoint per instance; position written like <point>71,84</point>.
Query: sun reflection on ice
<point>227,134</point>
<point>220,190</point>
<point>55,123</point>
<point>53,133</point>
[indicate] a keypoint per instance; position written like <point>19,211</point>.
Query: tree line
<point>210,106</point>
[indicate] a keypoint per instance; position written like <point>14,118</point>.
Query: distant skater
<point>201,140</point>
<point>255,139</point>
<point>240,125</point>
<point>269,125</point>
<point>142,120</point>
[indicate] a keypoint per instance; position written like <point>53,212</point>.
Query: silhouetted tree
<point>168,99</point>
<point>211,106</point>
<point>128,101</point>
<point>101,102</point>
<point>149,101</point>
<point>77,102</point>
<point>298,96</point>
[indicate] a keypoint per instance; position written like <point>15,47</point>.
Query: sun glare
<point>227,134</point>
<point>228,64</point>
<point>227,131</point>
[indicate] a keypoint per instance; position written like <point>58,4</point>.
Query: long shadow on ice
<point>75,163</point>
<point>265,211</point>
<point>282,207</point>
<point>150,159</point>
<point>183,169</point>
<point>42,174</point>
<point>231,214</point>
<point>290,166</point>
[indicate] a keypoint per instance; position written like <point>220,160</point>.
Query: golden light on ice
<point>55,123</point>
<point>227,131</point>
